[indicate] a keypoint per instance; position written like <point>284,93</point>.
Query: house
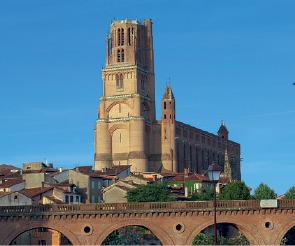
<point>38,166</point>
<point>116,192</point>
<point>90,183</point>
<point>63,193</point>
<point>8,172</point>
<point>14,198</point>
<point>12,185</point>
<point>188,182</point>
<point>36,194</point>
<point>37,179</point>
<point>139,178</point>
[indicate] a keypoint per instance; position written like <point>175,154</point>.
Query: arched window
<point>128,36</point>
<point>164,105</point>
<point>122,36</point>
<point>119,36</point>
<point>119,81</point>
<point>122,55</point>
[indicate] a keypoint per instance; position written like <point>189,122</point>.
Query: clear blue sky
<point>226,60</point>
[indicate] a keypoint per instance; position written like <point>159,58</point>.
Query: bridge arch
<point>154,228</point>
<point>15,232</point>
<point>247,231</point>
<point>283,232</point>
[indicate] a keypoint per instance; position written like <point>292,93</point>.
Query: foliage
<point>235,191</point>
<point>129,235</point>
<point>156,192</point>
<point>204,194</point>
<point>238,240</point>
<point>263,192</point>
<point>205,238</point>
<point>290,194</point>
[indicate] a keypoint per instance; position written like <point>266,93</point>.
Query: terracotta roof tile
<point>192,177</point>
<point>32,192</point>
<point>4,193</point>
<point>109,173</point>
<point>10,183</point>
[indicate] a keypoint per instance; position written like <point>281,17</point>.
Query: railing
<point>137,207</point>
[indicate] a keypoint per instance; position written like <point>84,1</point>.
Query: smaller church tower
<point>223,132</point>
<point>168,131</point>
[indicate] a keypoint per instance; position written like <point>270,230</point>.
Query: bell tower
<point>168,131</point>
<point>127,108</point>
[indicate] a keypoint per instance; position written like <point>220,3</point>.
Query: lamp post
<point>214,173</point>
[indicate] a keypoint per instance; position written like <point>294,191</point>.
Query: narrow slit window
<point>119,37</point>
<point>122,55</point>
<point>122,36</point>
<point>118,55</point>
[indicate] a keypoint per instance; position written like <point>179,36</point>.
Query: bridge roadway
<point>174,223</point>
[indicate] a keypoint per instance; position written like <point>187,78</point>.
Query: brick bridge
<point>175,223</point>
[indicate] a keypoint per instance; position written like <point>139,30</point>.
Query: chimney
<point>50,165</point>
<point>60,169</point>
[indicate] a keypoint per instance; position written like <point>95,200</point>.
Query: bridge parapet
<point>136,207</point>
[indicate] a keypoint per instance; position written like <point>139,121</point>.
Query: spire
<point>168,94</point>
<point>227,167</point>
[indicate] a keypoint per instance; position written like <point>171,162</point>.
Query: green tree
<point>235,191</point>
<point>156,192</point>
<point>129,235</point>
<point>290,194</point>
<point>204,238</point>
<point>263,192</point>
<point>204,194</point>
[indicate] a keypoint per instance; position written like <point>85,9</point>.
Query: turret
<point>168,130</point>
<point>223,132</point>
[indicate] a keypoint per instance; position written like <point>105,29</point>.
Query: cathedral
<point>127,132</point>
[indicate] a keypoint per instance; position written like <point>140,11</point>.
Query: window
<point>119,81</point>
<point>122,55</point>
<point>118,55</point>
<point>93,199</point>
<point>77,199</point>
<point>92,184</point>
<point>109,45</point>
<point>42,229</point>
<point>122,36</point>
<point>119,36</point>
<point>41,242</point>
<point>71,199</point>
<point>67,199</point>
<point>98,185</point>
<point>164,105</point>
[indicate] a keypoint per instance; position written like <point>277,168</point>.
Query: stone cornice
<point>124,96</point>
<point>125,68</point>
<point>123,119</point>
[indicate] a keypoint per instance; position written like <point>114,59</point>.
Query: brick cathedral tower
<point>126,131</point>
<point>127,107</point>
